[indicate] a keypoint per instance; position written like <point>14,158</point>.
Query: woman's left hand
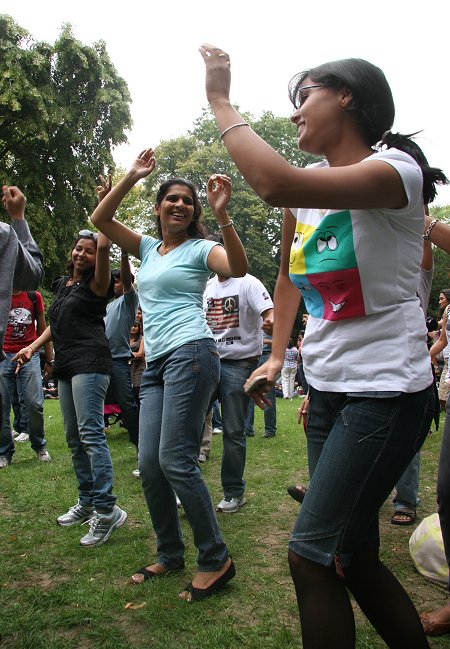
<point>104,188</point>
<point>23,356</point>
<point>219,193</point>
<point>218,75</point>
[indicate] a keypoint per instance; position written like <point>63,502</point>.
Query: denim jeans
<point>270,412</point>
<point>443,485</point>
<point>216,416</point>
<point>407,489</point>
<point>20,423</point>
<point>233,374</point>
<point>358,448</point>
<point>29,388</point>
<point>82,401</point>
<point>175,395</point>
<point>122,393</point>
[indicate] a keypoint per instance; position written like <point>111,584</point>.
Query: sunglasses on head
<point>87,234</point>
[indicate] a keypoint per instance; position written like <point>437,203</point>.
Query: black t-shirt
<point>78,329</point>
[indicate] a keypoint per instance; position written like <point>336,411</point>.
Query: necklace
<point>170,248</point>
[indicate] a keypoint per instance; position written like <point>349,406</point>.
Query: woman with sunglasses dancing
<point>351,246</point>
<point>83,366</point>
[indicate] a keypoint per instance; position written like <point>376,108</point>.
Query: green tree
<point>63,107</point>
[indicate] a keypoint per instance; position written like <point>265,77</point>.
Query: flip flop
<point>296,493</point>
<point>198,594</point>
<point>407,518</point>
<point>149,574</point>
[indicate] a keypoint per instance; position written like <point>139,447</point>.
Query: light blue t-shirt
<point>120,315</point>
<point>171,294</point>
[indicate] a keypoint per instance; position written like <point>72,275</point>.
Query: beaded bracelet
<point>426,234</point>
<point>226,225</point>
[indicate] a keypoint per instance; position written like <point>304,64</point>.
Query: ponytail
<point>432,176</point>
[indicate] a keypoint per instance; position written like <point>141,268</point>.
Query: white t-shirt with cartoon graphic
<point>358,271</point>
<point>233,312</point>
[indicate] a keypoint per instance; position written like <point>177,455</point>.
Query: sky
<point>154,47</point>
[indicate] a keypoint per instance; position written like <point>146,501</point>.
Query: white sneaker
<point>43,455</point>
<point>4,462</point>
<point>179,505</point>
<point>229,505</point>
<point>217,431</point>
<point>101,526</point>
<point>23,437</point>
<point>202,457</point>
<point>15,434</point>
<point>136,473</point>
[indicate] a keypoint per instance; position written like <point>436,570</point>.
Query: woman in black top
<point>83,367</point>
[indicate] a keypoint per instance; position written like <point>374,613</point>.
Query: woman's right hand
<point>271,368</point>
<point>23,356</point>
<point>144,164</point>
<point>218,75</point>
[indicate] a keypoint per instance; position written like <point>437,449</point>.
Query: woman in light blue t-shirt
<point>182,364</point>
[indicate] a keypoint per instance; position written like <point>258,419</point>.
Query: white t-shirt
<point>233,311</point>
<point>358,271</point>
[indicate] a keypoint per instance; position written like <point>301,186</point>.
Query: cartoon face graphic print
<point>19,320</point>
<point>323,265</point>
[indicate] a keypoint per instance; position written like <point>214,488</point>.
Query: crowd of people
<point>366,418</point>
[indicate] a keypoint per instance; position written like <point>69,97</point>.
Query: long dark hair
<point>372,108</point>
<point>196,230</point>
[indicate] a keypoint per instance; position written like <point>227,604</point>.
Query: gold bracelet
<point>230,128</point>
<point>226,225</point>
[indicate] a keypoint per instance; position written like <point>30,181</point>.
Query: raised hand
<point>14,202</point>
<point>144,164</point>
<point>218,191</point>
<point>218,74</point>
<point>104,187</point>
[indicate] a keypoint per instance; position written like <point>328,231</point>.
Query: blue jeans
<point>233,374</point>
<point>216,416</point>
<point>175,395</point>
<point>270,412</point>
<point>407,489</point>
<point>122,393</point>
<point>20,413</point>
<point>82,401</point>
<point>443,485</point>
<point>358,448</point>
<point>29,389</point>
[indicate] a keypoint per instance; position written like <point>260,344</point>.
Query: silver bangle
<point>426,234</point>
<point>226,225</point>
<point>230,128</point>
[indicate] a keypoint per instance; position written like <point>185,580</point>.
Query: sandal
<point>403,518</point>
<point>197,594</point>
<point>150,574</point>
<point>297,493</point>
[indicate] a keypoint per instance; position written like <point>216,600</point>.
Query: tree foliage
<point>62,109</point>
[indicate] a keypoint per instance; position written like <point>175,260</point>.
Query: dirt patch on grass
<point>31,579</point>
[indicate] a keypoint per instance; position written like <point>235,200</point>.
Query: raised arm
<point>125,271</point>
<point>354,186</point>
<point>28,271</point>
<point>231,262</point>
<point>103,216</point>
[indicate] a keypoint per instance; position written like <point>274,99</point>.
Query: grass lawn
<point>56,595</point>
